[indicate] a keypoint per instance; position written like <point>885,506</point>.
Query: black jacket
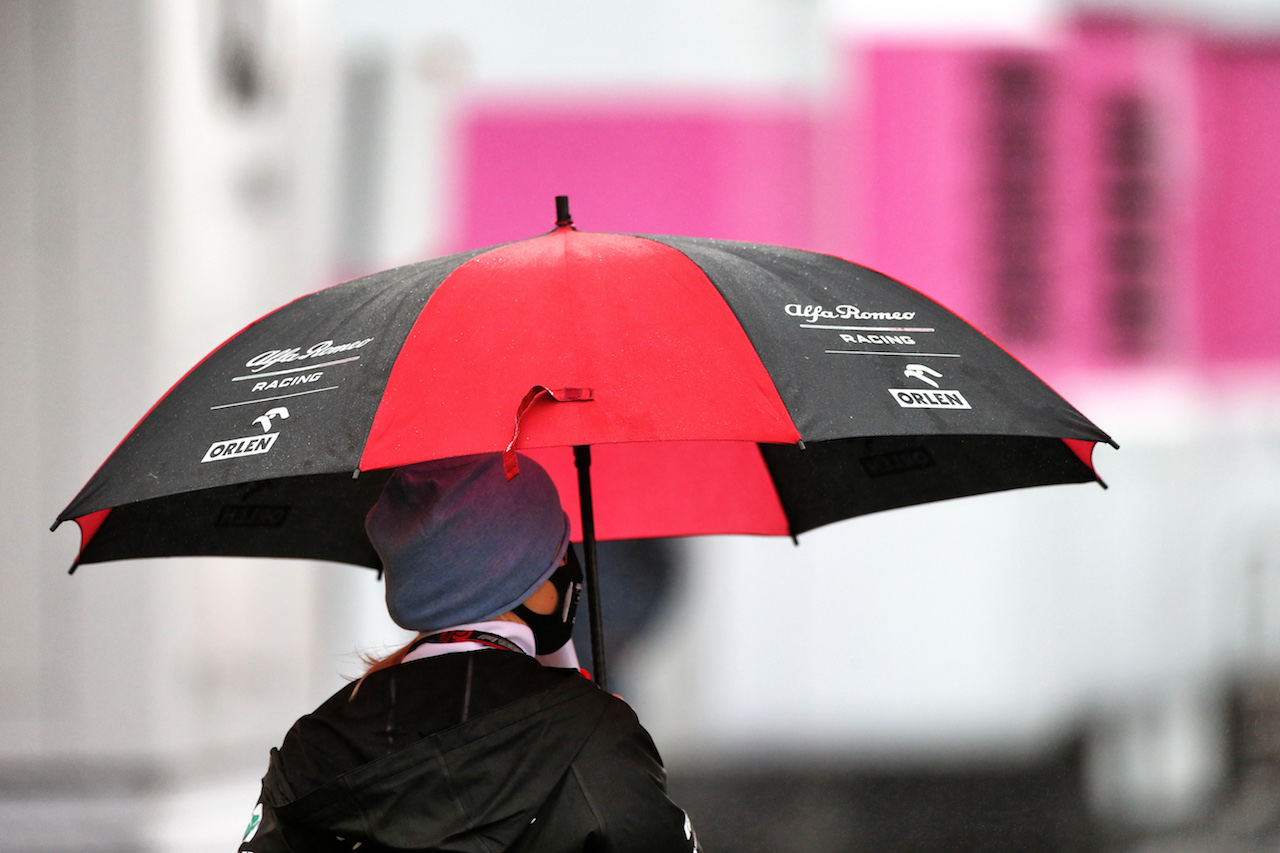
<point>478,751</point>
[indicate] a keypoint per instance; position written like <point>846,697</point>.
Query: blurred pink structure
<point>1112,201</point>
<point>695,169</point>
<point>1238,209</point>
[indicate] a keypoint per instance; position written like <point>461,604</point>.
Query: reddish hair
<point>373,663</point>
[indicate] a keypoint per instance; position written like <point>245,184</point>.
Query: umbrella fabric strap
<point>484,638</point>
<point>560,395</point>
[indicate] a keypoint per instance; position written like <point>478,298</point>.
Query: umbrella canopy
<point>724,387</point>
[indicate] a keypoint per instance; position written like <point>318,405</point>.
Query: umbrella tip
<point>563,218</point>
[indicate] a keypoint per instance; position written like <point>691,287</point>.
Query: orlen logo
<point>942,398</point>
<point>251,445</point>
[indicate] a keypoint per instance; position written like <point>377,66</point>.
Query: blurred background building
<point>1095,185</point>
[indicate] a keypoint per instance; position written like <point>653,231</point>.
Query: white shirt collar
<point>516,632</point>
<point>519,633</point>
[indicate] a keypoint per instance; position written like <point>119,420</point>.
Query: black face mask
<point>552,630</point>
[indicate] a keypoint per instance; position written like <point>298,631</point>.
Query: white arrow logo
<point>918,371</point>
<point>279,412</point>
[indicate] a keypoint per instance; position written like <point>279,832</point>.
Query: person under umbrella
<point>481,733</point>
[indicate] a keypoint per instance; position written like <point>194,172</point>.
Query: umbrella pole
<point>582,459</point>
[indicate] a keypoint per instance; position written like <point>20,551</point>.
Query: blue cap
<point>460,543</point>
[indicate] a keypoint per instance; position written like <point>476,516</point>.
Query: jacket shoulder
<point>614,794</point>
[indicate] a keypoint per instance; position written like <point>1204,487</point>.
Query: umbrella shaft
<point>582,459</point>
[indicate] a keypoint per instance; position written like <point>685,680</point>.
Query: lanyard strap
<point>484,638</point>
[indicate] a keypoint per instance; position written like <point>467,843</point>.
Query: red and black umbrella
<point>704,386</point>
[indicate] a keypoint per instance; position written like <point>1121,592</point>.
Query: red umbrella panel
<point>725,387</point>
